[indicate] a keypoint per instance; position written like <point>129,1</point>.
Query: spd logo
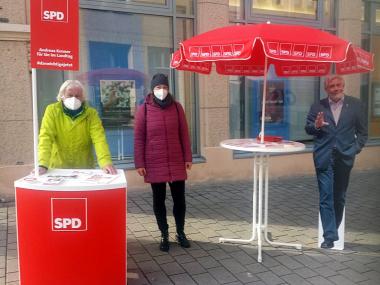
<point>55,10</point>
<point>69,214</point>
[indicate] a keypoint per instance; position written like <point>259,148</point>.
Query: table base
<point>260,169</point>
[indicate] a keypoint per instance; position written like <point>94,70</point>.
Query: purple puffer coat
<point>162,144</point>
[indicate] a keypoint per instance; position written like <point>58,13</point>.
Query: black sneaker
<point>327,244</point>
<point>164,244</point>
<point>183,241</point>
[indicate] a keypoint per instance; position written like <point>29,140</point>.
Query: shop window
<point>288,102</point>
<point>374,96</point>
<point>370,83</point>
<point>289,99</point>
<point>185,87</point>
<point>305,9</point>
<point>185,7</point>
<point>236,10</point>
<point>154,2</point>
<point>119,53</point>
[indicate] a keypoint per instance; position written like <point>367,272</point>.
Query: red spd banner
<point>54,34</point>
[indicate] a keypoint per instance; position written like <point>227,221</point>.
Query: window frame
<point>168,10</point>
<point>250,17</point>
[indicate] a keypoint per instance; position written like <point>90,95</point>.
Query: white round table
<point>261,153</point>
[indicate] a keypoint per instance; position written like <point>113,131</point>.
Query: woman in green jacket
<point>68,131</point>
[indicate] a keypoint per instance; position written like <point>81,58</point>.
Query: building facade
<point>123,43</point>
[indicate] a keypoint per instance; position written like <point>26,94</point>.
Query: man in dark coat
<point>339,126</point>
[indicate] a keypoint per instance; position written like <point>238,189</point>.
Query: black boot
<point>182,240</point>
<point>164,244</point>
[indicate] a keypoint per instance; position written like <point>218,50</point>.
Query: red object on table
<point>270,138</point>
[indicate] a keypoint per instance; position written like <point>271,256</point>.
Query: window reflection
<point>306,9</point>
<point>154,2</point>
<point>185,87</point>
<point>236,9</point>
<point>288,102</point>
<point>185,7</point>
<point>120,52</point>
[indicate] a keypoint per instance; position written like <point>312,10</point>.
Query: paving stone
<point>319,280</point>
<point>222,275</point>
<point>295,279</point>
<point>270,278</point>
<point>306,272</point>
<point>184,258</point>
<point>257,283</point>
<point>325,271</point>
<point>353,275</point>
<point>182,279</point>
<point>232,265</point>
<point>339,279</point>
<point>198,253</point>
<point>280,270</point>
<point>193,268</point>
<point>218,254</point>
<point>205,278</point>
<point>172,268</point>
<point>256,268</point>
<point>158,278</point>
<point>136,277</point>
<point>242,257</point>
<point>12,277</point>
<point>372,275</point>
<point>289,262</point>
<point>12,265</point>
<point>148,266</point>
<point>142,257</point>
<point>208,262</point>
<point>166,258</point>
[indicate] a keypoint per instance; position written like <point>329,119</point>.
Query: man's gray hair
<point>67,84</point>
<point>331,77</point>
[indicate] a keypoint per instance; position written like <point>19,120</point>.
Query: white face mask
<point>160,93</point>
<point>72,103</point>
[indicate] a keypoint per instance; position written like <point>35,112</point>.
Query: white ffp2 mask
<point>160,93</point>
<point>72,103</point>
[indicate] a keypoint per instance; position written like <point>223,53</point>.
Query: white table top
<point>254,145</point>
<point>73,180</point>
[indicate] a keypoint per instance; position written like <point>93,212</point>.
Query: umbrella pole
<point>263,101</point>
<point>35,121</point>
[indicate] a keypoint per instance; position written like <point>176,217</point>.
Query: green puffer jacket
<point>67,143</point>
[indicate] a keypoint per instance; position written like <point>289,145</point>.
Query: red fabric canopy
<point>293,50</point>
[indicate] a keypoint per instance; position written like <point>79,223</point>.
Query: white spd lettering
<point>53,15</point>
<point>64,223</point>
<point>324,54</point>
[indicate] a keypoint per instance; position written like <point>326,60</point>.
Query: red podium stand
<point>71,228</point>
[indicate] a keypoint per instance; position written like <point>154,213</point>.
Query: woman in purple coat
<point>163,155</point>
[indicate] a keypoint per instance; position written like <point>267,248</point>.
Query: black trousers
<point>333,183</point>
<point>177,189</point>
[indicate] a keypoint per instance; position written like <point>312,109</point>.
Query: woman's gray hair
<point>67,84</point>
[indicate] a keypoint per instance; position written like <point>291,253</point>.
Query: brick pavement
<point>224,210</point>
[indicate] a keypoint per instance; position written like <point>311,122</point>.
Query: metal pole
<point>264,99</point>
<point>35,121</point>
